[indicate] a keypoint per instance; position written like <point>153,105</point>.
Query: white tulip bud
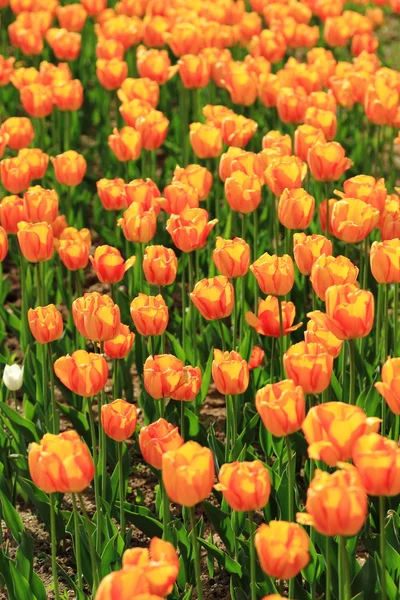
<point>13,376</point>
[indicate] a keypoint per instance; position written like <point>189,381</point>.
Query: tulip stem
<point>328,565</point>
<point>344,587</point>
<point>24,303</point>
<point>327,210</point>
<point>196,551</point>
<point>166,511</point>
<point>255,222</point>
<point>234,317</point>
<point>221,332</point>
<point>385,327</point>
<point>253,588</point>
<point>281,333</point>
<point>91,547</point>
<point>56,425</point>
<point>115,379</point>
<point>290,478</point>
<point>271,368</point>
<point>396,318</point>
<point>191,307</point>
<point>77,545</point>
<point>96,475</point>
<point>121,493</point>
<point>184,116</point>
<point>352,386</point>
<point>183,432</point>
<point>53,536</point>
<point>382,541</point>
<point>183,306</point>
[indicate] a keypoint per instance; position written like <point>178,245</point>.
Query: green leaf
<point>222,525</point>
<point>222,558</point>
<point>147,524</point>
<point>366,580</point>
<point>391,590</point>
<point>11,518</point>
<point>206,378</point>
<point>27,429</point>
<point>176,347</point>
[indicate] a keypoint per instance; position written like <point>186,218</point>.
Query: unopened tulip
<point>111,73</point>
<point>112,193</point>
<point>138,224</point>
<point>256,358</point>
<point>378,462</point>
<point>305,137</point>
<point>286,172</point>
<point>71,17</point>
<point>126,143</point>
<point>274,274</point>
<point>20,132</point>
<point>245,485</point>
<point>37,100</point>
<point>214,298</point>
<point>61,463</point>
<point>153,128</point>
<point>231,257</point>
<point>267,321</point>
<point>206,140</point>
<point>243,192</point>
<point>366,188</point>
<point>156,439</point>
<point>37,160</point>
<point>230,373</point>
<point>328,162</point>
<point>325,120</point>
<point>74,254</point>
<point>196,176</point>
<point>160,265</point>
<point>331,270</point>
<point>178,197</point>
<point>188,474</point>
<point>295,208</point>
<point>109,265</point>
<point>40,204</point>
<point>389,386</point>
<point>36,241</point>
<point>70,168</point>
<point>281,407</point>
<point>15,174</point>
<point>68,95</point>
<point>149,314</point>
<point>120,346</point>
<point>96,317</point>
<point>45,323</point>
<point>282,549</point>
<point>84,373</point>
<point>353,220</point>
<point>331,430</point>
<point>309,365</point>
<point>308,248</point>
<point>237,130</point>
<point>119,419</point>
<point>320,334</point>
<point>189,231</point>
<point>13,377</point>
<point>162,375</point>
<point>385,261</point>
<point>11,213</point>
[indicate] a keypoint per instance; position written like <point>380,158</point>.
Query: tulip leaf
<point>21,586</point>
<point>147,524</point>
<point>41,502</point>
<point>222,525</point>
<point>78,420</point>
<point>27,429</point>
<point>176,347</point>
<point>222,558</point>
<point>391,589</point>
<point>366,580</point>
<point>206,378</point>
<point>11,517</point>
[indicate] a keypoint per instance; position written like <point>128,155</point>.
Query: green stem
<point>253,587</point>
<point>183,432</point>
<point>386,324</point>
<point>234,316</point>
<point>56,423</point>
<point>378,327</point>
<point>24,303</point>
<point>352,386</point>
<point>281,338</point>
<point>184,305</point>
<point>53,536</point>
<point>192,307</point>
<point>115,379</point>
<point>45,385</point>
<point>291,484</point>
<point>344,585</point>
<point>166,510</point>
<point>40,290</point>
<point>221,332</point>
<point>96,474</point>
<point>77,545</point>
<point>93,558</point>
<point>382,543</point>
<point>271,368</point>
<point>396,318</point>
<point>196,552</point>
<point>255,242</point>
<point>184,117</point>
<point>121,492</point>
<point>328,565</point>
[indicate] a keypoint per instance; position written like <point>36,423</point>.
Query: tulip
<point>138,224</point>
<point>149,314</point>
<point>349,312</point>
<point>189,385</point>
<point>162,375</point>
<point>74,254</point>
<point>109,49</point>
<point>13,376</point>
<point>256,358</point>
<point>3,244</point>
<point>237,130</point>
<point>20,132</point>
<point>178,197</point>
<point>194,71</point>
<point>245,485</point>
<point>282,549</point>
<point>275,139</point>
<point>249,163</point>
<point>309,365</point>
<point>37,161</point>
<point>45,323</point>
<point>378,462</point>
<point>268,89</point>
<point>183,39</point>
<point>325,120</point>
<point>112,193</point>
<point>133,109</point>
<point>331,430</point>
<point>70,168</point>
<point>243,192</point>
<point>214,298</point>
<point>190,230</point>
<point>156,439</point>
<point>71,17</point>
<point>241,83</point>
<point>126,144</point>
<point>142,89</point>
<point>281,407</point>
<point>381,103</point>
<point>269,44</point>
<point>61,463</point>
<point>268,322</point>
<point>4,138</point>
<point>11,213</point>
<point>68,95</point>
<point>51,74</point>
<point>291,104</point>
<point>366,188</point>
<point>144,192</point>
<point>111,73</point>
<point>109,265</point>
<point>286,172</point>
<point>324,101</point>
<point>40,205</point>
<point>37,100</point>
<point>308,248</point>
<point>320,334</point>
<point>206,140</point>
<point>15,174</point>
<point>160,265</point>
<point>96,317</point>
<point>119,419</point>
<point>6,70</point>
<point>390,218</point>
<point>329,270</point>
<point>328,161</point>
<point>130,582</point>
<point>84,373</point>
<point>120,346</point>
<point>389,386</point>
<point>65,44</point>
<point>36,241</point>
<point>153,128</point>
<point>342,495</point>
<point>153,63</point>
<point>274,274</point>
<point>188,474</point>
<point>216,114</point>
<point>196,176</point>
<point>230,373</point>
<point>154,30</point>
<point>295,208</point>
<point>385,261</point>
<point>231,257</point>
<point>353,220</point>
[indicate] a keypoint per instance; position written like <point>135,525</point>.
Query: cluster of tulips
<point>273,125</point>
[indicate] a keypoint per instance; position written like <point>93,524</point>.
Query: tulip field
<point>199,299</point>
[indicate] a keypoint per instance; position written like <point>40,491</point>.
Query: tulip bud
<point>329,270</point>
<point>230,373</point>
<point>282,407</point>
<point>378,462</point>
<point>70,168</point>
<point>274,274</point>
<point>245,485</point>
<point>149,314</point>
<point>282,549</point>
<point>36,241</point>
<point>121,345</point>
<point>160,265</point>
<point>156,439</point>
<point>45,323</point>
<point>309,365</point>
<point>13,376</point>
<point>119,419</point>
<point>214,298</point>
<point>84,373</point>
<point>231,257</point>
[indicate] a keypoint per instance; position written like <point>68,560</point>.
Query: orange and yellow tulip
<point>3,244</point>
<point>243,192</point>
<point>160,265</point>
<point>36,241</point>
<point>138,224</point>
<point>320,334</point>
<point>12,211</point>
<point>231,257</point>
<point>309,365</point>
<point>274,274</point>
<point>45,323</point>
<point>74,254</point>
<point>296,208</point>
<point>196,176</point>
<point>237,130</point>
<point>378,462</point>
<point>214,298</point>
<point>120,346</point>
<point>268,323</point>
<point>20,132</point>
<point>109,265</point>
<point>153,128</point>
<point>70,168</point>
<point>162,375</point>
<point>282,549</point>
<point>15,174</point>
<point>126,143</point>
<point>367,188</point>
<point>308,248</point>
<point>245,485</point>
<point>206,140</point>
<point>189,231</point>
<point>65,44</point>
<point>119,419</point>
<point>96,317</point>
<point>194,71</point>
<point>111,73</point>
<point>112,193</point>
<point>325,120</point>
<point>389,386</point>
<point>178,197</point>
<point>331,270</point>
<point>37,160</point>
<point>40,204</point>
<point>84,373</point>
<point>156,439</point>
<point>149,314</point>
<point>286,172</point>
<point>230,373</point>
<point>68,95</point>
<point>353,220</point>
<point>282,407</point>
<point>71,17</point>
<point>385,261</point>
<point>328,162</point>
<point>37,100</point>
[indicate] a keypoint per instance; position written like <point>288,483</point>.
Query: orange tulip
<point>149,314</point>
<point>231,257</point>
<point>84,373</point>
<point>267,322</point>
<point>325,120</point>
<point>237,130</point>
<point>119,419</point>
<point>45,323</point>
<point>58,226</point>
<point>111,73</point>
<point>162,375</point>
<point>156,439</point>
<point>120,346</point>
<point>51,74</point>
<point>4,138</point>
<point>381,103</point>
<point>112,193</point>
<point>305,137</point>
<point>189,385</point>
<point>144,89</point>
<point>37,100</point>
<point>274,274</point>
<point>194,71</point>
<point>188,474</point>
<point>390,218</point>
<point>96,317</point>
<point>245,485</point>
<point>128,581</point>
<point>256,358</point>
<point>36,241</point>
<point>109,49</point>
<point>160,265</point>
<point>126,143</point>
<point>230,373</point>
<point>68,95</point>
<point>11,213</point>
<point>282,549</point>
<point>196,176</point>
<point>342,495</point>
<point>178,197</point>
<point>308,248</point>
<point>40,204</point>
<point>247,162</point>
<point>74,254</point>
<point>331,430</point>
<point>295,208</point>
<point>366,188</point>
<point>241,83</point>
<point>153,128</point>
<point>154,30</point>
<point>71,17</point>
<point>144,192</point>
<point>389,386</point>
<point>138,224</point>
<point>37,161</point>
<point>353,220</point>
<point>29,40</point>
<point>378,462</point>
<point>243,192</point>
<point>320,334</point>
<point>275,139</point>
<point>350,312</point>
<point>336,31</point>
<point>109,265</point>
<point>309,365</point>
<point>61,463</point>
<point>268,89</point>
<point>94,7</point>
<point>330,270</point>
<point>269,44</point>
<point>20,132</point>
<point>292,104</point>
<point>385,261</point>
<point>286,172</point>
<point>3,244</point>
<point>183,39</point>
<point>189,230</point>
<point>281,407</point>
<point>134,109</point>
<point>6,70</point>
<point>77,235</point>
<point>328,161</point>
<point>214,298</point>
<point>206,140</point>
<point>70,168</point>
<point>153,63</point>
<point>15,174</point>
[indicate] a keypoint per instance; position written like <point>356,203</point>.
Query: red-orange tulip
<point>37,100</point>
<point>138,224</point>
<point>70,168</point>
<point>282,549</point>
<point>154,128</point>
<point>245,485</point>
<point>45,323</point>
<point>126,143</point>
<point>19,130</point>
<point>84,373</point>
<point>68,95</point>
<point>156,439</point>
<point>149,314</point>
<point>256,358</point>
<point>178,197</point>
<point>11,213</point>
<point>111,73</point>
<point>74,254</point>
<point>214,298</point>
<point>112,193</point>
<point>309,365</point>
<point>15,174</point>
<point>109,265</point>
<point>3,244</point>
<point>267,322</point>
<point>65,44</point>
<point>71,17</point>
<point>40,204</point>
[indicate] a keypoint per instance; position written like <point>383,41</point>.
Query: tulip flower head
<point>329,270</point>
<point>230,373</point>
<point>45,323</point>
<point>96,317</point>
<point>149,314</point>
<point>389,386</point>
<point>281,407</point>
<point>214,298</point>
<point>385,261</point>
<point>308,248</point>
<point>231,257</point>
<point>378,462</point>
<point>13,376</point>
<point>84,373</point>
<point>267,322</point>
<point>109,265</point>
<point>245,485</point>
<point>156,439</point>
<point>189,230</point>
<point>119,419</point>
<point>309,365</point>
<point>160,265</point>
<point>282,549</point>
<point>274,274</point>
<point>120,346</point>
